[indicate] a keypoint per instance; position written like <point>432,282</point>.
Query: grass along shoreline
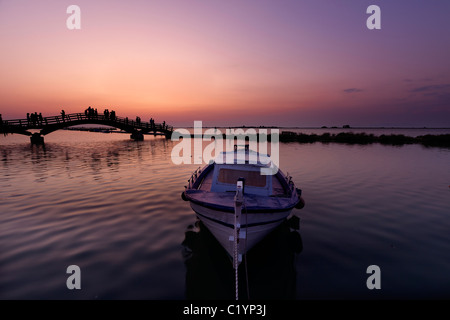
<point>429,140</point>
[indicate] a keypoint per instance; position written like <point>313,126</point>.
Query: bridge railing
<point>13,122</point>
<point>37,122</point>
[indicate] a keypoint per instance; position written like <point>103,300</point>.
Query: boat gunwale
<point>230,209</point>
<point>200,174</point>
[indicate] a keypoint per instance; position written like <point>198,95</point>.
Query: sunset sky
<point>230,62</point>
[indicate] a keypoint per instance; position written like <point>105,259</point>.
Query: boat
<point>237,203</point>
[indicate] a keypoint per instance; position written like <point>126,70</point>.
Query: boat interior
<point>252,179</point>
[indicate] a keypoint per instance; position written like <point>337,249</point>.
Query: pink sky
<point>253,62</point>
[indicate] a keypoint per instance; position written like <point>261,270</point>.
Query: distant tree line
<point>442,140</point>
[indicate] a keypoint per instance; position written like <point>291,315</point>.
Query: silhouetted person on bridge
<point>164,125</point>
<point>63,115</point>
<point>41,119</point>
<point>113,115</point>
<point>1,120</point>
<point>35,118</point>
<point>89,112</point>
<point>28,118</point>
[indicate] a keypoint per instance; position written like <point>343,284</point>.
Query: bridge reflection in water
<point>137,129</point>
<point>266,272</point>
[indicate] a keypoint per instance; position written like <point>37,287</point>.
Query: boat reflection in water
<point>266,272</point>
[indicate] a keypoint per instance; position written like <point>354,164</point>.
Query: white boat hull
<point>254,226</point>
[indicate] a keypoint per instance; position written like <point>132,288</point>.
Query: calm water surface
<point>112,206</point>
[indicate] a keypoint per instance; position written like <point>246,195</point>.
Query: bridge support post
<point>137,136</point>
<point>36,138</point>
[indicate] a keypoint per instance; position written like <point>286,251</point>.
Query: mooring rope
<point>245,249</point>
<point>238,200</point>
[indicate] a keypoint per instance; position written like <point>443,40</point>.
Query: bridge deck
<point>50,124</point>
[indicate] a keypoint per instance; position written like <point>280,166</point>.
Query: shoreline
<point>346,137</point>
<point>428,140</point>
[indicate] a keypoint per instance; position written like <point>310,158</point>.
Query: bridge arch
<point>50,124</point>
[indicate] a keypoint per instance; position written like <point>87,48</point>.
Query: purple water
<point>112,206</point>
